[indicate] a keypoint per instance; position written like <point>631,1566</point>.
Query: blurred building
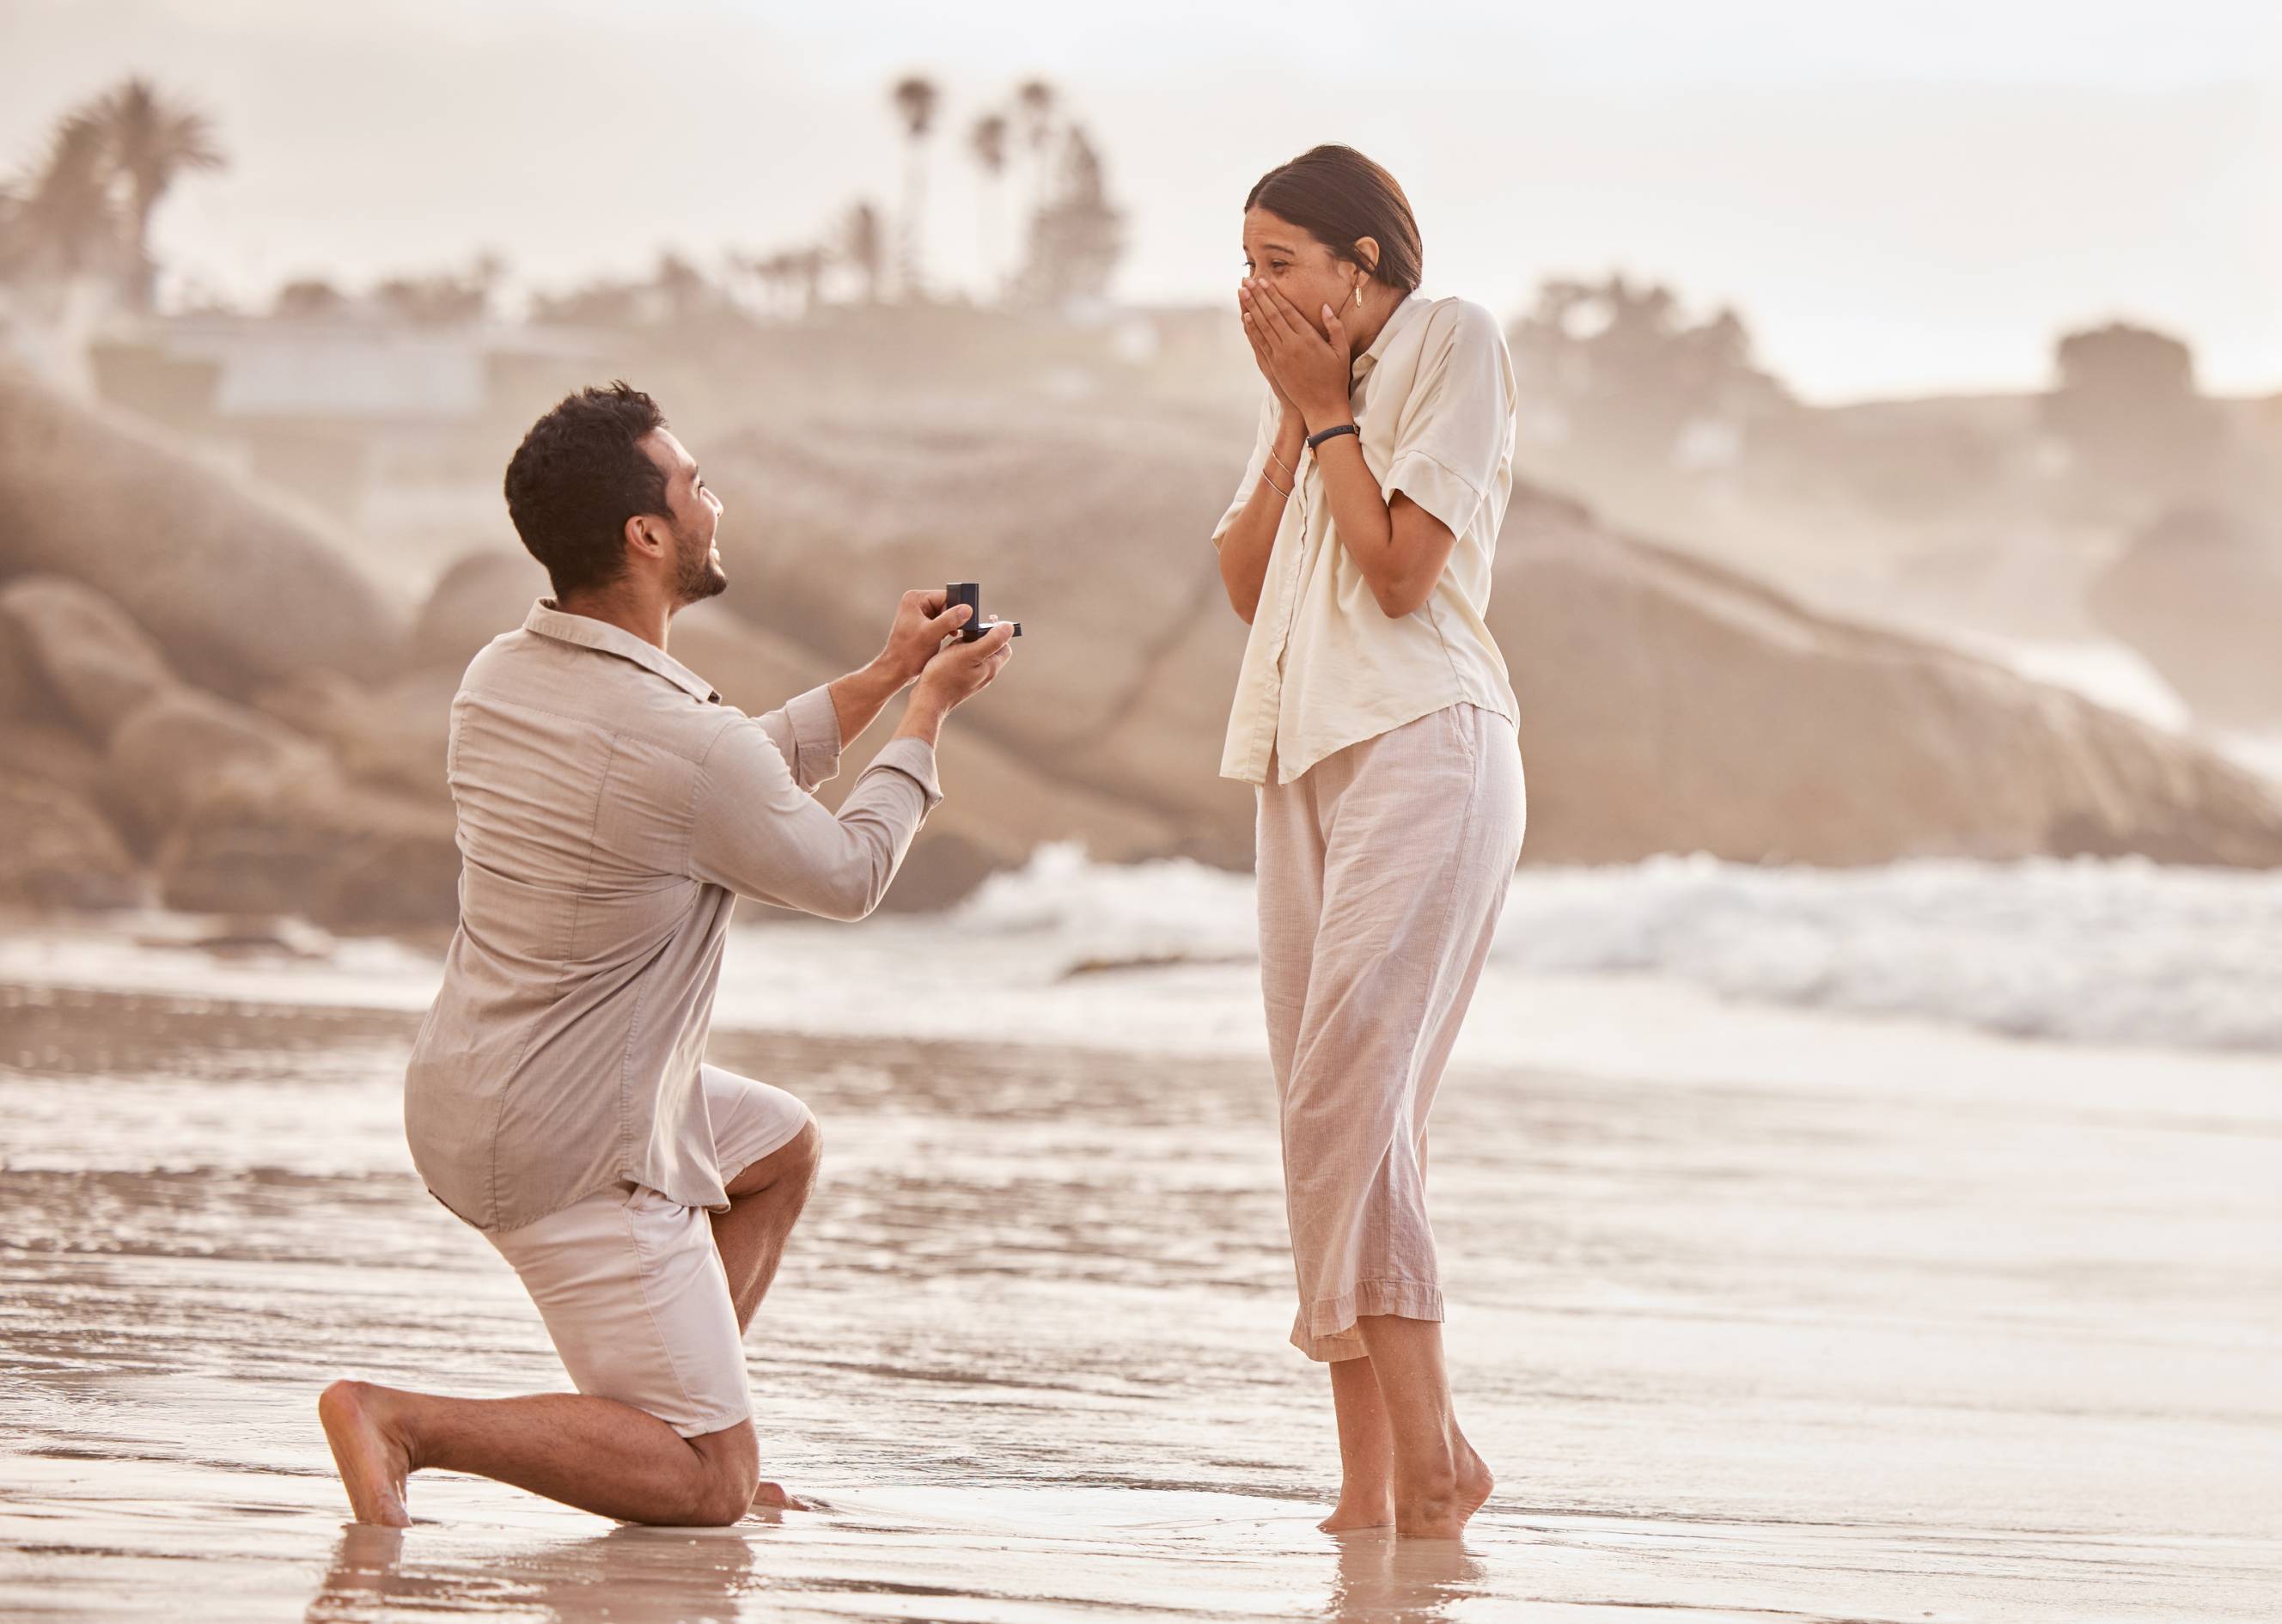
<point>397,429</point>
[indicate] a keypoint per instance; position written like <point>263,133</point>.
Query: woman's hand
<point>1314,374</point>
<point>1259,346</point>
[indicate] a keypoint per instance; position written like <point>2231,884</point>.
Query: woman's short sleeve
<point>1456,429</point>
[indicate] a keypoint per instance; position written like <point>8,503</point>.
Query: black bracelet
<point>1314,440</point>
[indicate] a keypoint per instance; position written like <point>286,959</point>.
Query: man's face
<point>696,514</point>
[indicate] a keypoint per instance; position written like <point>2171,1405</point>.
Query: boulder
<point>53,754</point>
<point>1089,528</point>
<point>479,597</point>
<point>349,857</point>
<point>393,736</point>
<point>24,691</point>
<point>2200,595</point>
<point>239,587</point>
<point>58,852</point>
<point>182,745</point>
<point>87,651</point>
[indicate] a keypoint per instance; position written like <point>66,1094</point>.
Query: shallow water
<point>1904,1326</point>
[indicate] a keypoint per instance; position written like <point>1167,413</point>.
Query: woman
<point>1374,714</point>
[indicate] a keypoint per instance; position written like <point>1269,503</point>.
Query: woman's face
<point>1290,259</point>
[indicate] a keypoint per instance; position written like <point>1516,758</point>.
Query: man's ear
<point>638,534</point>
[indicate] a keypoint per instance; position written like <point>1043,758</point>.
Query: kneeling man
<point>611,810</point>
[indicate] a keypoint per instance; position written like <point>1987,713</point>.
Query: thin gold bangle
<point>1272,485</point>
<point>1290,472</point>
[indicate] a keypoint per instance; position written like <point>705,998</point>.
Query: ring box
<point>970,593</point>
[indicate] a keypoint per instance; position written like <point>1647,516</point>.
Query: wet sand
<point>1815,1347</point>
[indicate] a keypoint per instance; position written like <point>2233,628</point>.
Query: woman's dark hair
<point>1340,197</point>
<point>577,478</point>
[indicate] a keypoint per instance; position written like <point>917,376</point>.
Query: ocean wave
<point>2088,951</point>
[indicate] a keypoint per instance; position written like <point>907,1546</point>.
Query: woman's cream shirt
<point>1324,666</point>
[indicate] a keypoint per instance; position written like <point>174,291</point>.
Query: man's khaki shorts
<point>631,1285</point>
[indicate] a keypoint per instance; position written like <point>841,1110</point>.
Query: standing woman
<point>1374,713</point>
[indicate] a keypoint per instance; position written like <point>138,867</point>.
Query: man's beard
<point>697,576</point>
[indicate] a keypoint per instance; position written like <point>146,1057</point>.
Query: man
<point>611,810</point>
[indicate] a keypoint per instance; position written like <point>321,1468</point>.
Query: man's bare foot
<point>372,1463</point>
<point>769,1497</point>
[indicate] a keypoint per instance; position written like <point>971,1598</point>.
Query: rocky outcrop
<point>267,730</point>
<point>1090,528</point>
<point>238,587</point>
<point>119,784</point>
<point>1666,705</point>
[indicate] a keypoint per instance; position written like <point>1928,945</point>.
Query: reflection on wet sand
<point>650,1572</point>
<point>1383,1580</point>
<point>1743,1349</point>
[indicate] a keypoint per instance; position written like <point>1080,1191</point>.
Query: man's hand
<point>922,624</point>
<point>954,677</point>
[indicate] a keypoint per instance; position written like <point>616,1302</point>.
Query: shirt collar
<point>1398,318</point>
<point>588,632</point>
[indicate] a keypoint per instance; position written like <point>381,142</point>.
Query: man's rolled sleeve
<point>914,759</point>
<point>807,733</point>
<point>757,832</point>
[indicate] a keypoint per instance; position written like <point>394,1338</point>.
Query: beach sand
<point>1821,1345</point>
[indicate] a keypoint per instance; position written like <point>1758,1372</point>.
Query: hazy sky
<point>1899,197</point>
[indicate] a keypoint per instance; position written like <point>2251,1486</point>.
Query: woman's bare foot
<point>372,1463</point>
<point>1360,1508</point>
<point>1443,1516</point>
<point>1475,1483</point>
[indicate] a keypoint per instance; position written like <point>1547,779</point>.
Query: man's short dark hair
<point>577,478</point>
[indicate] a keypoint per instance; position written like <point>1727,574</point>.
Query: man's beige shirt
<point>1324,667</point>
<point>611,810</point>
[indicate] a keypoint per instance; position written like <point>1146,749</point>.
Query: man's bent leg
<point>596,1454</point>
<point>765,1203</point>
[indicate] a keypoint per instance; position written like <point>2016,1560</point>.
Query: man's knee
<point>800,1157</point>
<point>729,1471</point>
<point>796,1160</point>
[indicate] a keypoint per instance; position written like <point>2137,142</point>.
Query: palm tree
<point>67,221</point>
<point>149,140</point>
<point>987,142</point>
<point>1078,239</point>
<point>808,266</point>
<point>915,99</point>
<point>1036,99</point>
<point>864,246</point>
